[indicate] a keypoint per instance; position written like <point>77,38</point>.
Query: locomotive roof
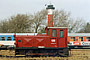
<point>57,27</point>
<point>79,34</point>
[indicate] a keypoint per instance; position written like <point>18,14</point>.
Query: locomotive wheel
<point>19,52</point>
<point>63,52</point>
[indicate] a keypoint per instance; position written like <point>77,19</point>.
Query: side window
<point>19,40</point>
<point>48,31</point>
<point>54,33</point>
<point>9,39</point>
<point>88,38</point>
<point>81,38</point>
<point>61,33</point>
<point>2,38</point>
<point>72,38</point>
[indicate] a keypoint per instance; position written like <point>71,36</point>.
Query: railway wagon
<point>7,40</point>
<point>79,40</point>
<point>53,43</point>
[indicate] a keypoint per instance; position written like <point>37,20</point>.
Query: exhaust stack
<point>50,9</point>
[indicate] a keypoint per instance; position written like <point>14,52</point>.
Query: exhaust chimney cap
<point>50,7</point>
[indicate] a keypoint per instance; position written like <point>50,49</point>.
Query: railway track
<point>75,54</point>
<point>72,51</point>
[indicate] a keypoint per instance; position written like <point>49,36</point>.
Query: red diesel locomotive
<point>53,43</point>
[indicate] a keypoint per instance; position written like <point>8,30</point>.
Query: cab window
<point>54,33</point>
<point>2,38</point>
<point>61,33</point>
<point>48,31</point>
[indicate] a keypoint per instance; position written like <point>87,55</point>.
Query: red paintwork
<point>43,40</point>
<point>32,41</point>
<point>61,42</point>
<point>50,21</point>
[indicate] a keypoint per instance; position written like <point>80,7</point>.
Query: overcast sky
<point>78,8</point>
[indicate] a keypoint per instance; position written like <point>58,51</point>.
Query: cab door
<point>62,38</point>
<point>53,39</point>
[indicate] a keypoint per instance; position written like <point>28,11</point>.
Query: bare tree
<point>76,25</point>
<point>39,19</point>
<point>4,26</point>
<point>16,24</point>
<point>61,18</point>
<point>85,29</point>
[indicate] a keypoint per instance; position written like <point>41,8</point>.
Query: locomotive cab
<point>58,38</point>
<point>58,35</point>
